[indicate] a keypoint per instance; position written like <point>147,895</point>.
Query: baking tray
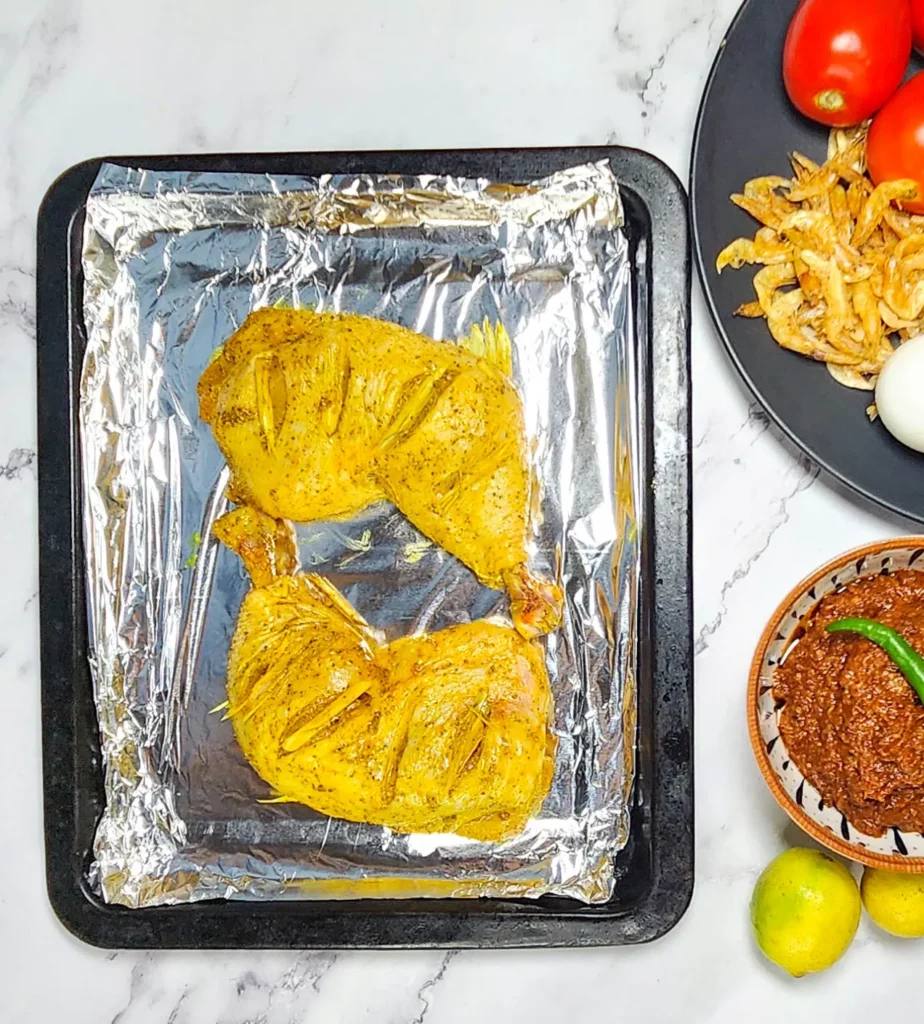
<point>654,872</point>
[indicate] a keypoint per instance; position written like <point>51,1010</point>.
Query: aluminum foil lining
<point>173,263</point>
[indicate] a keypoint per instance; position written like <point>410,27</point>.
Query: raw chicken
<point>446,732</point>
<point>321,415</point>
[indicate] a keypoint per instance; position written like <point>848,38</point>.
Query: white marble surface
<point>80,79</point>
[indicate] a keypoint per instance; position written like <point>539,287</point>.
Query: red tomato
<point>917,23</point>
<point>844,58</point>
<point>896,139</point>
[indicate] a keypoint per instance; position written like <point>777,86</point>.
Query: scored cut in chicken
<point>442,732</point>
<point>320,415</point>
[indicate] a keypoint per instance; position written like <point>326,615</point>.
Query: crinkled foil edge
<point>143,857</point>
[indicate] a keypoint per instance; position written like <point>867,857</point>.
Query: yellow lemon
<point>895,901</point>
<point>805,911</point>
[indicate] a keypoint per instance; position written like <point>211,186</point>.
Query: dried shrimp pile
<point>842,278</point>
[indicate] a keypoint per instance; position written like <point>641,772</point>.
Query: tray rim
<point>374,923</point>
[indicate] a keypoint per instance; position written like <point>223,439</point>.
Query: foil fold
<point>173,263</point>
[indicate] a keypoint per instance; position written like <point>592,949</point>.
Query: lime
<point>805,911</point>
<point>895,901</point>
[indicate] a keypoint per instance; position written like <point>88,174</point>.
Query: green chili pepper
<point>906,658</point>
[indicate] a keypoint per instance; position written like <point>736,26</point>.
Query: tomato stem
<point>830,100</point>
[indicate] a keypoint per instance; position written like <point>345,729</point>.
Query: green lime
<point>805,911</point>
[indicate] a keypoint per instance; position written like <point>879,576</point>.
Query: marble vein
<point>803,482</point>
<point>50,40</point>
<point>174,1017</point>
<point>136,987</point>
<point>425,993</point>
<point>307,969</point>
<point>18,460</point>
<point>17,286</point>
<point>706,450</point>
<point>690,24</point>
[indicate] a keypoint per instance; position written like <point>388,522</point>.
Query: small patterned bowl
<point>895,851</point>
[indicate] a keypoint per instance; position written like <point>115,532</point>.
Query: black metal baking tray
<point>655,870</point>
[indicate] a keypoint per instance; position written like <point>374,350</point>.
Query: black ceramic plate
<point>747,128</point>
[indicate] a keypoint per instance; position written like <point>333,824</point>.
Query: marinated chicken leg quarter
<point>443,732</point>
<point>321,415</point>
